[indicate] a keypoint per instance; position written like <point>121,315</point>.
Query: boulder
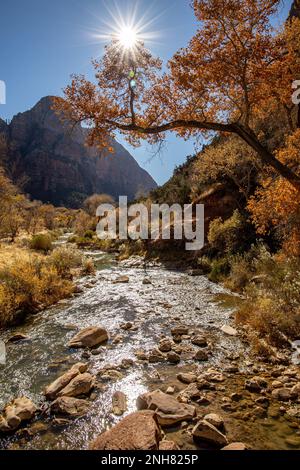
<point>201,356</point>
<point>235,446</point>
<point>21,409</point>
<point>156,356</point>
<point>187,378</point>
<point>173,357</point>
<point>82,384</point>
<point>216,420</point>
<point>121,280</point>
<point>89,337</point>
<point>69,406</point>
<point>168,445</point>
<point>283,394</point>
<point>190,393</point>
<point>55,387</point>
<point>168,410</point>
<point>165,345</point>
<point>200,341</point>
<point>138,431</point>
<point>228,330</point>
<point>204,431</point>
<point>180,330</point>
<point>119,403</point>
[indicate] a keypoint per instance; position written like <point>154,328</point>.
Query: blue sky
<point>43,42</point>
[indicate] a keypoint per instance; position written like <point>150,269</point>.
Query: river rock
<point>89,337</point>
<point>168,445</point>
<point>147,282</point>
<point>121,280</point>
<point>165,345</point>
<point>201,356</point>
<point>283,394</point>
<point>126,326</point>
<point>21,409</point>
<point>82,384</point>
<point>156,356</point>
<point>119,403</point>
<point>213,375</point>
<point>228,330</point>
<point>138,431</point>
<point>69,406</point>
<point>204,431</point>
<point>168,410</point>
<point>216,420</point>
<point>180,330</point>
<point>190,393</point>
<point>296,390</point>
<point>235,446</point>
<point>294,412</point>
<point>141,355</point>
<point>55,387</point>
<point>187,378</point>
<point>200,341</point>
<point>173,357</point>
<point>17,338</point>
<point>256,384</point>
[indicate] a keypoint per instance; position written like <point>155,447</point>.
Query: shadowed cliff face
<point>60,168</point>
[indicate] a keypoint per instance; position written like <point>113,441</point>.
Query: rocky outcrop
<point>138,431</point>
<point>59,167</point>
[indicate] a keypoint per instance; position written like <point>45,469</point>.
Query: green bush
<point>228,236</point>
<point>89,234</point>
<point>41,242</point>
<point>220,268</point>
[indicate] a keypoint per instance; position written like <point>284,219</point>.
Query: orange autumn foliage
<point>276,205</point>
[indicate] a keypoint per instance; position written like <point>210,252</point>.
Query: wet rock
<point>180,330</point>
<point>37,428</point>
<point>190,393</point>
<point>216,420</point>
<point>147,282</point>
<point>263,401</point>
<point>168,410</point>
<point>200,341</point>
<point>168,445</point>
<point>118,339</point>
<point>173,357</point>
<point>232,369</point>
<point>15,413</point>
<point>138,431</point>
<point>293,441</point>
<point>60,422</point>
<point>201,356</point>
<point>69,406</point>
<point>119,403</point>
<point>126,364</point>
<point>170,390</point>
<point>256,384</point>
<point>165,345</point>
<point>126,326</point>
<point>296,390</point>
<point>17,338</point>
<point>82,384</point>
<point>283,394</point>
<point>78,290</point>
<point>235,446</point>
<point>228,330</point>
<point>236,396</point>
<point>276,384</point>
<point>187,378</point>
<point>259,412</point>
<point>156,356</point>
<point>89,337</point>
<point>294,412</point>
<point>141,355</point>
<point>121,280</point>
<point>212,375</point>
<point>96,352</point>
<point>61,382</point>
<point>110,375</point>
<point>206,432</point>
<point>85,355</point>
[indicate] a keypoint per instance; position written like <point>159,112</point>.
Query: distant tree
<point>234,69</point>
<point>91,203</point>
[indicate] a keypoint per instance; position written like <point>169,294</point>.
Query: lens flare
<point>128,37</point>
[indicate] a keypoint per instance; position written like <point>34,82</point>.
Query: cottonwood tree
<point>234,69</point>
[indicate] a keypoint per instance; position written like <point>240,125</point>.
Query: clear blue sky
<point>44,41</point>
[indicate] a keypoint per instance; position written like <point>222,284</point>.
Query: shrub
<point>26,285</point>
<point>88,267</point>
<point>89,234</point>
<point>64,258</point>
<point>220,268</point>
<point>41,242</point>
<point>204,263</point>
<point>229,236</point>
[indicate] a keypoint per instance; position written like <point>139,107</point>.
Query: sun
<point>128,37</point>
